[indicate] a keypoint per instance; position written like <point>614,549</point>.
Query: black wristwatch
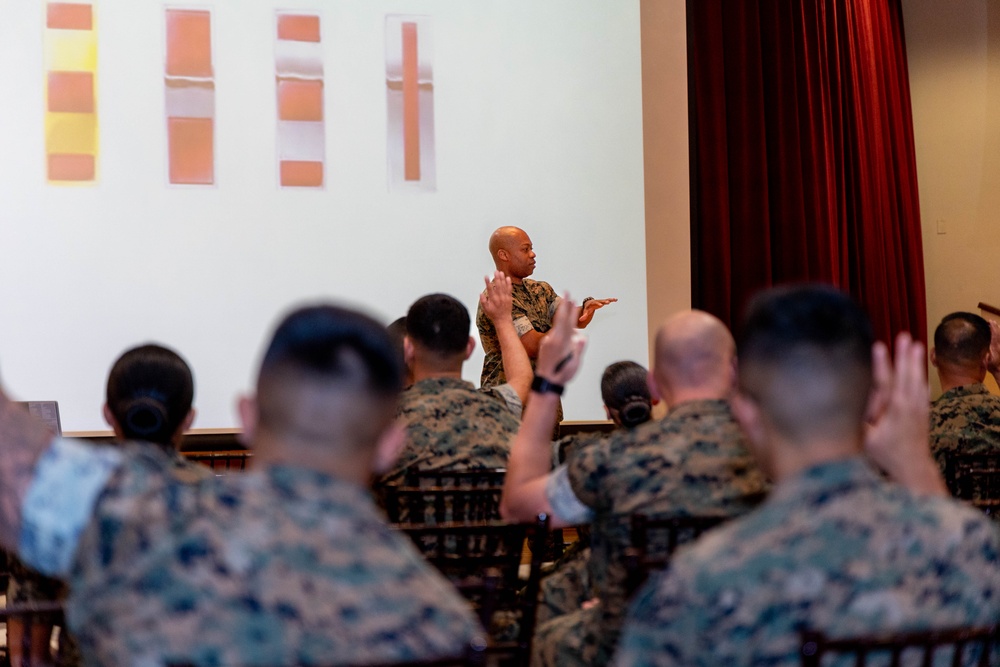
<point>542,386</point>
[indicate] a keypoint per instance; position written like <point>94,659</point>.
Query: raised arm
<point>23,440</point>
<point>897,439</point>
<point>496,302</point>
<point>528,467</point>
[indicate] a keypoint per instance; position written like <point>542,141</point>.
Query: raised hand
<point>496,300</point>
<point>561,349</point>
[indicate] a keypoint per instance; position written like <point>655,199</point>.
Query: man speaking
<point>535,302</point>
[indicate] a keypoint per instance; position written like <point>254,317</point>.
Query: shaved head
<point>694,352</point>
<point>961,342</point>
<point>330,376</point>
<point>512,252</point>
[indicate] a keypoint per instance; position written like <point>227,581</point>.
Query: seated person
<point>290,563</point>
<point>628,403</point>
<point>965,419</point>
<point>450,424</point>
<point>149,394</point>
<point>835,547</point>
<point>694,461</point>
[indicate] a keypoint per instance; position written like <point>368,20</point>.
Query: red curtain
<point>802,157</point>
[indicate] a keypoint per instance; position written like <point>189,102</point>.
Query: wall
<point>953,49</point>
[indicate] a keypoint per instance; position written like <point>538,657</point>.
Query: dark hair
<point>782,320</point>
<point>439,323</point>
<point>397,331</point>
<point>150,391</point>
<point>625,390</point>
<point>962,338</point>
<point>328,341</point>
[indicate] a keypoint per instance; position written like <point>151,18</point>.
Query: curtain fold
<point>802,155</point>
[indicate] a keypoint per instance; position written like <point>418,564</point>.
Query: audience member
<point>628,403</point>
<point>965,419</point>
<point>835,547</point>
<point>397,332</point>
<point>290,563</point>
<point>534,302</point>
<point>692,462</point>
<point>451,425</point>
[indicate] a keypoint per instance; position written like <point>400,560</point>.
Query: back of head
<point>439,323</point>
<point>625,392</point>
<point>962,340</point>
<point>329,375</point>
<point>150,391</point>
<point>694,354</point>
<point>805,358</point>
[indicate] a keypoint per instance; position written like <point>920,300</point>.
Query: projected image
<point>298,64</point>
<point>70,93</point>
<point>190,96</point>
<point>409,78</point>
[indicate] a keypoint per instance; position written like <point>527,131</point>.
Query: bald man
<point>965,419</point>
<point>535,302</point>
<point>692,462</point>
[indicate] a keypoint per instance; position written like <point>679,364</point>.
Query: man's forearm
<point>530,461</point>
<point>23,440</point>
<point>516,364</point>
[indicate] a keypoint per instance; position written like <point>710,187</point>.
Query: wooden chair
<point>654,540</point>
<point>436,504</point>
<point>222,463</point>
<point>28,614</point>
<point>483,561</point>
<point>955,647</point>
<point>491,478</point>
<point>975,478</point>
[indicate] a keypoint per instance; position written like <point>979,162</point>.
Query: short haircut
<point>805,356</point>
<point>624,388</point>
<point>439,323</point>
<point>325,342</point>
<point>150,391</point>
<point>397,332</point>
<point>962,339</point>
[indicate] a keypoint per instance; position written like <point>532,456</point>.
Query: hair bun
<point>144,417</point>
<point>635,411</point>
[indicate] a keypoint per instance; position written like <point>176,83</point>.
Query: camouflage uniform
<point>835,549</point>
<point>451,425</point>
<point>284,565</point>
<point>534,307</point>
<point>693,462</point>
<point>965,420</point>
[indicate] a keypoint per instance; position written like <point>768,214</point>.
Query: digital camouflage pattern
<point>965,420</point>
<point>279,566</point>
<point>451,425</point>
<point>534,305</point>
<point>566,588</point>
<point>694,462</point>
<point>835,549</point>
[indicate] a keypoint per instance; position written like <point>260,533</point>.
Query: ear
<point>747,414</point>
<point>389,446</point>
<point>112,422</point>
<point>247,407</point>
<point>607,413</point>
<point>934,362</point>
<point>408,351</point>
<point>469,347</point>
<point>186,424</point>
<point>654,387</point>
<point>503,255</point>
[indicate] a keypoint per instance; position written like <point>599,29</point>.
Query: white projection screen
<point>536,121</point>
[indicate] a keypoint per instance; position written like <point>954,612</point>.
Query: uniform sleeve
<point>588,473</point>
<point>563,501</point>
<point>68,480</point>
<point>509,396</point>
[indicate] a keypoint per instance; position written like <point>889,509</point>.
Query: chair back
<point>654,540</point>
<point>483,561</point>
<point>222,463</point>
<point>436,504</point>
<point>27,615</point>
<point>491,478</point>
<point>955,647</point>
<point>975,478</point>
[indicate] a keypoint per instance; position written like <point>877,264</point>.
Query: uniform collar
<point>714,406</point>
<point>964,390</point>
<point>442,382</point>
<point>825,480</point>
